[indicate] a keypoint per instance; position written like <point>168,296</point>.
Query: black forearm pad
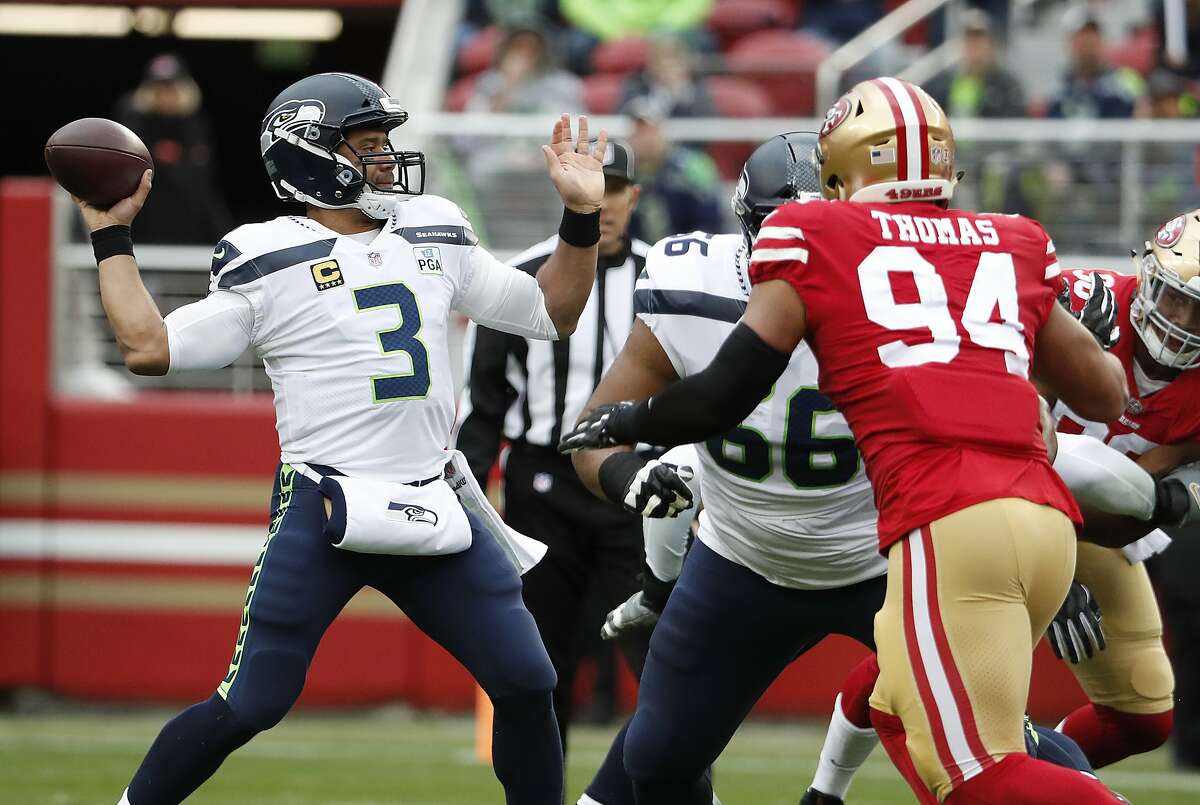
<point>1171,502</point>
<point>710,402</point>
<point>615,473</point>
<point>655,591</point>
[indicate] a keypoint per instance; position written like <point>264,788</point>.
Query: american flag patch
<point>883,156</point>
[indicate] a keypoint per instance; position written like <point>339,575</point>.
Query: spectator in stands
<point>1092,88</point>
<point>667,79</point>
<point>1169,168</point>
<point>980,86</point>
<point>841,20</point>
<point>1079,175</point>
<point>165,112</point>
<point>679,185</point>
<point>526,78</point>
<point>615,19</point>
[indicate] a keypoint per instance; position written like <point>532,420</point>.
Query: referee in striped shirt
<point>526,391</point>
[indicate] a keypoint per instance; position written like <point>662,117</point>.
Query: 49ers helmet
<point>1165,312</point>
<point>305,125</point>
<point>886,140</point>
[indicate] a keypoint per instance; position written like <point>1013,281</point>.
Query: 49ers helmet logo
<point>834,117</point>
<point>1171,232</point>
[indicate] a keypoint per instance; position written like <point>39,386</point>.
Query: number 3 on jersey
<point>994,287</point>
<point>415,384</point>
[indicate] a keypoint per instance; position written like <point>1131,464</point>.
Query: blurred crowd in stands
<point>758,58</point>
<point>657,60</point>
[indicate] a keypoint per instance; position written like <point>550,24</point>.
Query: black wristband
<point>626,424</point>
<point>615,473</point>
<point>579,229</point>
<point>111,241</point>
<point>1171,502</point>
<point>655,591</point>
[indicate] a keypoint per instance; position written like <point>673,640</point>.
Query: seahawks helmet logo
<point>293,116</point>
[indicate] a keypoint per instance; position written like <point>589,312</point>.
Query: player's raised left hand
<point>1075,634</point>
<point>575,165</point>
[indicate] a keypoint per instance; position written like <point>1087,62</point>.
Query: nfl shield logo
<point>375,259</point>
<point>1135,406</point>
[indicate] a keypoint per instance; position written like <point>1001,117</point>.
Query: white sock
<point>124,798</point>
<point>846,749</point>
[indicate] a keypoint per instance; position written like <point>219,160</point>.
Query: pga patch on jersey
<point>429,259</point>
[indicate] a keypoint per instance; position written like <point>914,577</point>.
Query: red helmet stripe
<point>902,167</point>
<point>922,129</point>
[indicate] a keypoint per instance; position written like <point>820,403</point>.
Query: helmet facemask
<point>1162,300</point>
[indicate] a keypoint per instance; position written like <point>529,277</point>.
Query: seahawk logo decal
<point>294,117</point>
<point>412,513</point>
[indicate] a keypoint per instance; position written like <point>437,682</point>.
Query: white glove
<point>632,615</point>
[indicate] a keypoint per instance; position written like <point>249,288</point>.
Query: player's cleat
<point>814,797</point>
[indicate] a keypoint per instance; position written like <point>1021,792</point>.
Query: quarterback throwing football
<point>348,305</point>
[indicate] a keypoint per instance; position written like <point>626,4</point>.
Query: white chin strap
<point>373,203</point>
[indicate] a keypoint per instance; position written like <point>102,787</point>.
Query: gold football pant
<point>1132,674</point>
<point>968,597</point>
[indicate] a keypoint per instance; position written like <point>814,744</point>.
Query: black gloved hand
<point>1100,314</point>
<point>605,425</point>
<point>646,488</point>
<point>1075,633</point>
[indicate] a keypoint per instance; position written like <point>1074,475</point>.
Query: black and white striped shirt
<point>523,389</point>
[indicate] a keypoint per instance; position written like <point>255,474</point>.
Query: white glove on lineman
<point>633,614</point>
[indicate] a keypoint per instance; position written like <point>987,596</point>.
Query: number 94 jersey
<point>353,334</point>
<point>784,493</point>
<point>924,321</point>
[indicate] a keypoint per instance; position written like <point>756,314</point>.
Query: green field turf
<point>393,756</point>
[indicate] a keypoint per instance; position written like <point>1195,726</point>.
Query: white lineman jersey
<point>785,493</point>
<point>354,335</point>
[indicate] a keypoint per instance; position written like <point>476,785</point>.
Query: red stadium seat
<point>480,51</point>
<point>784,63</point>
<point>1139,51</point>
<point>602,93</point>
<point>735,97</point>
<point>459,93</point>
<point>733,19</point>
<point>620,56</point>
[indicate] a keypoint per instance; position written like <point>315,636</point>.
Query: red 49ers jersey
<point>1167,416</point>
<point>923,322</point>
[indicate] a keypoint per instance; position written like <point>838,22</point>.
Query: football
<point>98,160</point>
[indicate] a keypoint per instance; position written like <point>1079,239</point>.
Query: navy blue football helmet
<point>782,169</point>
<point>304,127</point>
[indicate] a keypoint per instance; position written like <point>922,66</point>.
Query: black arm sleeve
<point>713,401</point>
<point>490,395</point>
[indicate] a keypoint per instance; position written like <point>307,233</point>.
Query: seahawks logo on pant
<point>414,513</point>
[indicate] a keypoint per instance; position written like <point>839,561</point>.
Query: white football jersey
<point>785,493</point>
<point>354,335</point>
